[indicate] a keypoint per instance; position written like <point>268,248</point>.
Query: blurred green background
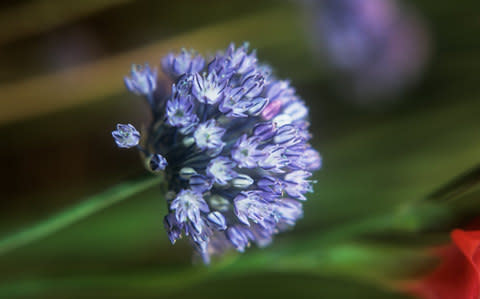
<point>61,93</point>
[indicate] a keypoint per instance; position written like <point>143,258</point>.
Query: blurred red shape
<point>458,274</point>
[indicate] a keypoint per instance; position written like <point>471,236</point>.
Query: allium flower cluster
<point>232,141</point>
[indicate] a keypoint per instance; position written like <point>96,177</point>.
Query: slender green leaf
<point>82,210</point>
<point>459,186</point>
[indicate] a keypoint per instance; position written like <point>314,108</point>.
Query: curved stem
<point>73,214</point>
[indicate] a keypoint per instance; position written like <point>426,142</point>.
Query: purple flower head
<point>126,136</point>
<point>142,80</point>
<point>236,141</point>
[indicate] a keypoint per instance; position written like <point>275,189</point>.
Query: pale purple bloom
<point>221,170</point>
<point>208,89</point>
<point>245,152</point>
<point>288,210</point>
<point>264,131</point>
<point>187,206</point>
<point>234,61</point>
<point>253,85</point>
<point>379,46</point>
<point>180,112</point>
<point>310,160</point>
<point>235,104</point>
<point>257,105</point>
<point>239,59</point>
<point>236,142</point>
<point>173,228</point>
<point>126,136</point>
<point>287,135</point>
<point>142,80</point>
<point>279,93</point>
<point>271,184</point>
<point>240,237</point>
<point>183,63</point>
<point>239,103</point>
<point>296,110</point>
<point>252,206</point>
<point>280,90</point>
<point>297,184</point>
<point>209,136</point>
<point>275,160</point>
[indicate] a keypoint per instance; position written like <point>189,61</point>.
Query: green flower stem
<point>78,212</point>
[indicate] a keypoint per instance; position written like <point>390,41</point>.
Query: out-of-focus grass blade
<point>459,186</point>
<point>85,208</point>
<point>164,281</point>
<point>329,254</point>
<point>400,161</point>
<point>31,17</point>
<point>99,79</point>
<point>374,264</point>
<point>174,284</point>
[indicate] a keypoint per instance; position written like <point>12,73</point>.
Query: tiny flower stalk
<point>233,143</point>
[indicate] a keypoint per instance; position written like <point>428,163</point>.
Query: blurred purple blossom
<point>380,47</point>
